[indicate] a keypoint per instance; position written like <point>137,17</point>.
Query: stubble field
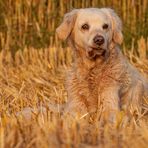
<point>33,79</point>
<point>33,67</point>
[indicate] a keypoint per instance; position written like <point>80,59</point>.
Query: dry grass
<point>32,79</point>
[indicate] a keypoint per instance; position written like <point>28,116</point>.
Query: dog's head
<point>92,30</point>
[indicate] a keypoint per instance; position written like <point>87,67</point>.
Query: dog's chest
<point>84,84</point>
<point>82,87</point>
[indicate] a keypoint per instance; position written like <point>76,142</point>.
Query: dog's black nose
<point>98,40</point>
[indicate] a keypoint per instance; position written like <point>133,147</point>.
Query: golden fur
<point>106,79</point>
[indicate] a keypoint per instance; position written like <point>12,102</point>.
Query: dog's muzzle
<point>93,53</point>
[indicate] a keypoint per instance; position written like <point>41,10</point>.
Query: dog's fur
<point>100,76</point>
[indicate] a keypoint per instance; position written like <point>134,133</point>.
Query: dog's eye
<point>105,26</point>
<point>85,27</point>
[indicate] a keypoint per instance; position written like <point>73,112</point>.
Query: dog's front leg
<point>110,105</point>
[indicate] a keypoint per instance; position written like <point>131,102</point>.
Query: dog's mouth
<point>94,53</point>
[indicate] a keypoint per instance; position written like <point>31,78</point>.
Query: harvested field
<point>31,80</point>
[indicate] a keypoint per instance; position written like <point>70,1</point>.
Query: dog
<point>100,75</point>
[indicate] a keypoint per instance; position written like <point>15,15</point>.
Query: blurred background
<point>32,23</point>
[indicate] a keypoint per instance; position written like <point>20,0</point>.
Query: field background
<point>33,22</point>
<point>33,63</point>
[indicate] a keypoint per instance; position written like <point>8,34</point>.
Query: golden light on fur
<point>100,70</point>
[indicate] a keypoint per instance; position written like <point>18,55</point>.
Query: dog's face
<point>92,30</point>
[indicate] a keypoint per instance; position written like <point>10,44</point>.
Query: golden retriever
<point>100,75</point>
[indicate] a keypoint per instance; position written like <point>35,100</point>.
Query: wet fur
<point>109,81</point>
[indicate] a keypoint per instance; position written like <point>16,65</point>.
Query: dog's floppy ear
<point>116,25</point>
<point>64,30</point>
